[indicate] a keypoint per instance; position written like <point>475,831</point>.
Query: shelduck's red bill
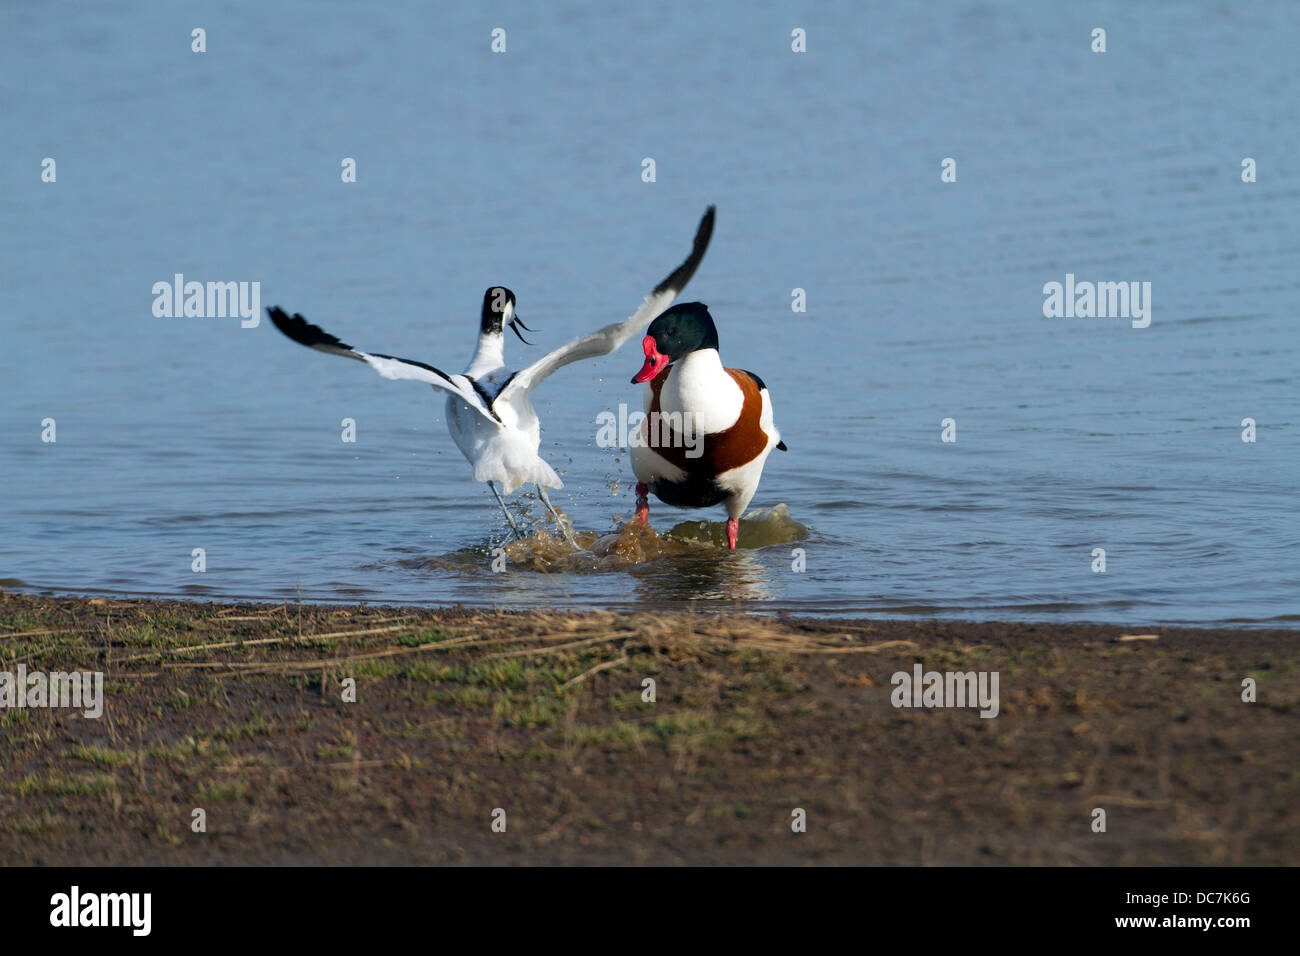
<point>655,361</point>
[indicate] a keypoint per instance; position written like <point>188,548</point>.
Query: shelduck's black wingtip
<point>781,445</point>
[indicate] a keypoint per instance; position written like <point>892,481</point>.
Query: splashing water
<point>758,529</point>
<point>631,545</point>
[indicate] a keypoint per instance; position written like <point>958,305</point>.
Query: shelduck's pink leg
<point>733,532</point>
<point>642,502</point>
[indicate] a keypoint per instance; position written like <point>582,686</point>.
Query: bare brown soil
<point>239,710</point>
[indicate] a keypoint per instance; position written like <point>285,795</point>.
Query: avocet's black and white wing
<point>314,337</point>
<point>611,337</point>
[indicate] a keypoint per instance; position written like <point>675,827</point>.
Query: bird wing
<point>314,337</point>
<point>606,340</point>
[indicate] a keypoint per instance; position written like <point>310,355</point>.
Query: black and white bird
<point>489,409</point>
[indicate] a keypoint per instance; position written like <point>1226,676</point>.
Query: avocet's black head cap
<point>679,331</point>
<point>499,311</point>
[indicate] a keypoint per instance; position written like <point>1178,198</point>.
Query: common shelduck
<point>708,429</point>
<point>489,412</point>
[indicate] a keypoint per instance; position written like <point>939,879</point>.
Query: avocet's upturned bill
<point>489,409</point>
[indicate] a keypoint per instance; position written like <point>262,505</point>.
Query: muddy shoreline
<point>239,710</point>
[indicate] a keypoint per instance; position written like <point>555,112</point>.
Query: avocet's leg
<point>733,532</point>
<point>514,527</point>
<point>642,502</point>
<point>559,521</point>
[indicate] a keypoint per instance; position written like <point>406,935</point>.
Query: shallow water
<point>924,299</point>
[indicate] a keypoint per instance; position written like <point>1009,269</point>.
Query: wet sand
<point>239,710</point>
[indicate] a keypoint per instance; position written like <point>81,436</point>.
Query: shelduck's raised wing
<point>314,337</point>
<point>611,337</point>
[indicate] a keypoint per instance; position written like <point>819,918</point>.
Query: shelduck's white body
<point>720,426</point>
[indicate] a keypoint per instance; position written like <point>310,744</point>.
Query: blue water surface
<point>924,298</point>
